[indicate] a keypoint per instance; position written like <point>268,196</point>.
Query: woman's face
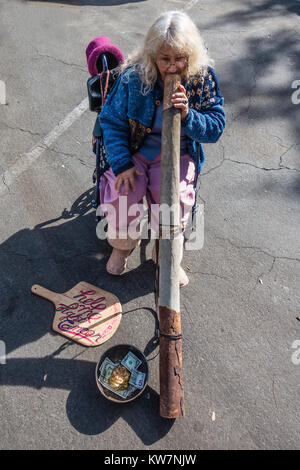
<point>170,60</point>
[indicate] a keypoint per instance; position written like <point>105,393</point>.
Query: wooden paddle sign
<point>86,314</point>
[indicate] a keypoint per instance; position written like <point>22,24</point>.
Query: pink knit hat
<point>99,46</point>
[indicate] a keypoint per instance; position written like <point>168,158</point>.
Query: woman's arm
<point>115,126</point>
<point>207,124</point>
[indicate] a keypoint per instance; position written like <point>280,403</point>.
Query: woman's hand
<point>127,178</point>
<point>179,100</point>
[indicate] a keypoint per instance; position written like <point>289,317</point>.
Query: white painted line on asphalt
<point>27,159</point>
<point>190,4</point>
<point>2,92</point>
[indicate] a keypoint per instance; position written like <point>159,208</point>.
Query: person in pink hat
<point>131,121</point>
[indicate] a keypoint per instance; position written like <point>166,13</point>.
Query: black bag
<point>98,86</point>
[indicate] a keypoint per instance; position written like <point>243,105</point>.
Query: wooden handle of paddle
<point>45,293</point>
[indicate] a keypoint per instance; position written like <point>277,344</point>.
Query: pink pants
<point>121,212</point>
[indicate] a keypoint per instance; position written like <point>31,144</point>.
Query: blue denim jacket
<point>128,115</point>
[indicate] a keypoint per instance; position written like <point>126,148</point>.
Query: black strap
<point>172,337</point>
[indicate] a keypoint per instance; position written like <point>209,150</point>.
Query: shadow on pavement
<point>254,11</point>
<point>99,3</point>
<point>88,412</point>
<point>249,79</point>
<point>57,254</point>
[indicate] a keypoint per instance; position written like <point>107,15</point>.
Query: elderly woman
<point>131,120</point>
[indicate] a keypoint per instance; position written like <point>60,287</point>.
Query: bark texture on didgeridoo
<point>170,364</point>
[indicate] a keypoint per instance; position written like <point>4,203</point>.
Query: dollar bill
<point>107,373</point>
<point>105,362</point>
<point>107,365</point>
<point>137,378</point>
<point>131,362</point>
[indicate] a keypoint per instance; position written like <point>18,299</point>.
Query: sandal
<point>117,262</point>
<point>122,248</point>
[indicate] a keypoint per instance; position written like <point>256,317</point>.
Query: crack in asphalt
<point>261,167</point>
<point>209,274</point>
<point>4,182</point>
<point>74,156</point>
<point>258,249</point>
<point>259,277</point>
<point>286,151</point>
<point>21,129</point>
<point>62,61</point>
<point>224,159</point>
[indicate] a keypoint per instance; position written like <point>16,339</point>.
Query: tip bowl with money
<point>122,373</point>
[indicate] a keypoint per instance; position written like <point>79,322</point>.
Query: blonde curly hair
<point>175,29</point>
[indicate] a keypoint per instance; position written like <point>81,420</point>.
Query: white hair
<point>175,29</point>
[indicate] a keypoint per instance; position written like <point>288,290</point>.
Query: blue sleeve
<point>115,126</point>
<point>205,123</point>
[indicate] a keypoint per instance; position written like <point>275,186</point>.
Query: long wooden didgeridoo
<point>170,356</point>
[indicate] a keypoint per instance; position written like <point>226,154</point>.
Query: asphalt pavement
<point>240,311</point>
